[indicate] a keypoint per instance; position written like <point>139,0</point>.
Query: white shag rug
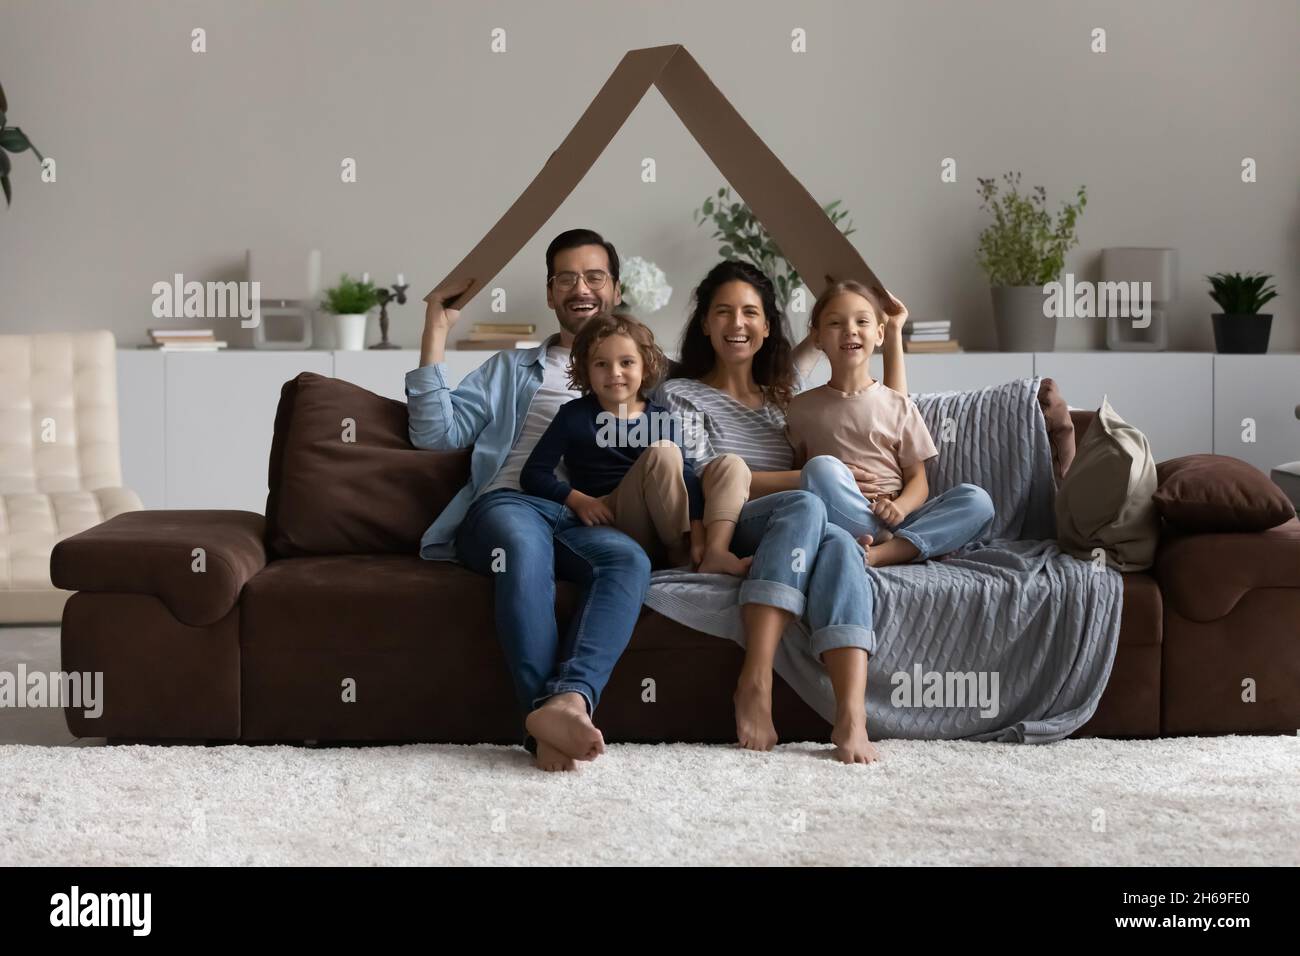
<point>1187,802</point>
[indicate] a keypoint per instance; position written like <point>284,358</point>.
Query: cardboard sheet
<point>805,234</point>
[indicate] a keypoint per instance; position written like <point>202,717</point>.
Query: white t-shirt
<point>553,392</point>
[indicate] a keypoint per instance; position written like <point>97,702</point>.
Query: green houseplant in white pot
<point>350,303</point>
<point>1240,328</point>
<point>1021,251</point>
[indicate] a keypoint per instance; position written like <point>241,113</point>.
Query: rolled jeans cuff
<point>834,636</point>
<point>923,553</point>
<point>556,688</point>
<point>775,594</point>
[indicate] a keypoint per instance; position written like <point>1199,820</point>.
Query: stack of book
<point>499,335</point>
<point>184,340</point>
<point>929,337</point>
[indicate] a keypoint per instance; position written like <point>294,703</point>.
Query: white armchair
<point>60,464</point>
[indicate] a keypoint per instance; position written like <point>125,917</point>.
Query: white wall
<point>170,161</point>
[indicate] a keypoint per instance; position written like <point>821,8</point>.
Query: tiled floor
<point>38,649</point>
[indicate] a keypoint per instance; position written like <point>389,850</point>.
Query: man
<point>502,408</point>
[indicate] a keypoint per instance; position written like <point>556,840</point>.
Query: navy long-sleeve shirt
<point>599,449</point>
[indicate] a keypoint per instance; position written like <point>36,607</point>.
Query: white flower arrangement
<point>645,287</point>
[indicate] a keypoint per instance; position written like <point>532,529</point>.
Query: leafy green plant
<point>350,297</point>
<point>743,237</point>
<point>1239,294</point>
<point>12,140</point>
<point>1021,247</point>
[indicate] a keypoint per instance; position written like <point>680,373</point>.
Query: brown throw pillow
<point>344,478</point>
<point>1206,493</point>
<point>1105,500</point>
<point>1060,427</point>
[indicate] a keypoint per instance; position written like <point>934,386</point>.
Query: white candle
<point>401,279</point>
<point>365,277</point>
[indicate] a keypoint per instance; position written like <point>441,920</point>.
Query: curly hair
<point>773,367</point>
<point>596,330</point>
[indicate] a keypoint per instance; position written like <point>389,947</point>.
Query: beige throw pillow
<point>1105,498</point>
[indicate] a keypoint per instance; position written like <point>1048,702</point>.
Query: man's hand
<point>437,314</point>
<point>869,483</point>
<point>889,512</point>
<point>438,320</point>
<point>591,511</point>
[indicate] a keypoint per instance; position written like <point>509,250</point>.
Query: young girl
<point>624,459</point>
<point>855,418</point>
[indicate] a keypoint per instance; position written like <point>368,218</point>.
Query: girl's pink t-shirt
<point>877,428</point>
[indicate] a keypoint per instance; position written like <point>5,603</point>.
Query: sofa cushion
<point>1060,427</point>
<point>1105,500</point>
<point>344,478</point>
<point>1218,493</point>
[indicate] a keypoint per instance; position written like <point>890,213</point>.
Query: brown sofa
<point>319,622</point>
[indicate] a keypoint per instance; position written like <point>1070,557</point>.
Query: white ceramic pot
<point>350,332</point>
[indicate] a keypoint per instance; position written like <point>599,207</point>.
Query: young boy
<point>857,419</point>
<point>623,454</point>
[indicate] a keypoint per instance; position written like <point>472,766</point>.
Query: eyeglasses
<point>595,279</point>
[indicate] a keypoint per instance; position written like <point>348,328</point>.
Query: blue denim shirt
<point>486,410</point>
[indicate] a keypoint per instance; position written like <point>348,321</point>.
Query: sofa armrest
<point>1203,576</point>
<point>152,552</point>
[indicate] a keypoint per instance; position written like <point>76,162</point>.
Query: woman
<point>737,372</point>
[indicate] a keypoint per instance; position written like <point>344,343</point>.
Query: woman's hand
<point>869,483</point>
<point>591,511</point>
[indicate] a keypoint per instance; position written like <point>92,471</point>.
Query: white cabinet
<point>1167,395</point>
<point>196,427</point>
<point>384,371</point>
<point>220,418</point>
<point>951,372</point>
<point>1255,399</point>
<point>141,414</point>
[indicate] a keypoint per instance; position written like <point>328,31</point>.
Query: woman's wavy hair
<point>773,363</point>
<point>596,330</point>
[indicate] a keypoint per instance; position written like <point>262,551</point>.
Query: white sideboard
<point>196,427</point>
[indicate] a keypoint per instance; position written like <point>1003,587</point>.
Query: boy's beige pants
<point>650,504</point>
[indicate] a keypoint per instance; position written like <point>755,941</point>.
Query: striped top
<point>726,427</point>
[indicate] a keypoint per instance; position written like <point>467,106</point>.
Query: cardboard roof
<point>805,234</point>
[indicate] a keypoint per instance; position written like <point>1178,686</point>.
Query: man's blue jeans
<point>945,523</point>
<point>524,543</point>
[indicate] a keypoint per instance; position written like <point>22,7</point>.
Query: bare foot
<point>754,727</point>
<point>866,541</point>
<point>724,562</point>
<point>850,739</point>
<point>552,760</point>
<point>562,722</point>
<point>897,551</point>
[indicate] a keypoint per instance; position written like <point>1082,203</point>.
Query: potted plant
<point>1021,251</point>
<point>1239,328</point>
<point>12,140</point>
<point>743,237</point>
<point>349,302</point>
